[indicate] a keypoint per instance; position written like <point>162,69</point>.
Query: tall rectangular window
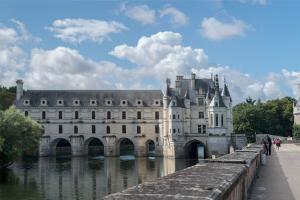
<point>108,129</point>
<point>217,119</point>
<point>123,128</point>
<point>108,115</point>
<point>138,129</point>
<point>44,115</point>
<point>139,115</point>
<point>93,129</point>
<point>123,115</point>
<point>156,128</point>
<point>75,129</point>
<point>60,129</point>
<point>26,113</point>
<point>76,115</point>
<point>201,115</point>
<point>174,116</point>
<point>204,129</point>
<point>93,115</point>
<point>222,120</point>
<point>199,128</point>
<point>60,115</point>
<point>156,115</point>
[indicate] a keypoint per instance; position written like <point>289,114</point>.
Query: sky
<point>253,44</point>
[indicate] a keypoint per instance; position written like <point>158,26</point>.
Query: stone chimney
<point>193,80</point>
<point>19,89</point>
<point>178,83</point>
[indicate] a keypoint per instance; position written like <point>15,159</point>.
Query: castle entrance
<point>194,149</point>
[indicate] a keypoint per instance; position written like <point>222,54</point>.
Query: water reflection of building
<point>195,114</point>
<point>81,178</point>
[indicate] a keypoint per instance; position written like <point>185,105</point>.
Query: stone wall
<point>228,178</point>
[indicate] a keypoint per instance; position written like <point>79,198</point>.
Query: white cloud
<point>79,30</point>
<point>215,30</point>
<point>162,55</point>
<point>140,13</point>
<point>177,17</point>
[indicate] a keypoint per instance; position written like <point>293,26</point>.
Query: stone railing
<point>228,178</point>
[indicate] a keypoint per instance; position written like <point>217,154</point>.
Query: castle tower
<point>296,109</point>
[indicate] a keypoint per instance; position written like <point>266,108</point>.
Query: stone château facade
<point>192,119</point>
<point>296,110</point>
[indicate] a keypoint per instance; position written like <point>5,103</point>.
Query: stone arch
<point>150,147</point>
<point>61,147</point>
<point>126,147</point>
<point>93,147</point>
<point>195,149</point>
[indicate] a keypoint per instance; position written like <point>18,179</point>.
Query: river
<point>81,178</point>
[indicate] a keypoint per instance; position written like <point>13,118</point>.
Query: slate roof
<point>35,96</point>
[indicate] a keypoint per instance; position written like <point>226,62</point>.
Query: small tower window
<point>204,129</point>
<point>75,129</point>
<point>174,130</point>
<point>138,129</point>
<point>201,115</point>
<point>93,115</point>
<point>156,128</point>
<point>174,116</point>
<point>123,115</point>
<point>60,129</point>
<point>222,120</point>
<point>44,115</point>
<point>217,120</point>
<point>26,113</point>
<point>123,128</point>
<point>93,129</point>
<point>76,115</point>
<point>59,102</point>
<point>108,129</point>
<point>139,115</point>
<point>60,115</point>
<point>199,128</point>
<point>156,115</point>
<point>26,102</point>
<point>108,115</point>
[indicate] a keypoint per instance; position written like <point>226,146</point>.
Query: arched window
<point>138,129</point>
<point>108,115</point>
<point>93,115</point>
<point>44,115</point>
<point>76,115</point>
<point>60,115</point>
<point>217,120</point>
<point>108,129</point>
<point>26,113</point>
<point>75,129</point>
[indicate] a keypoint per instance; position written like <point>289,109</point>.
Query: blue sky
<point>94,44</point>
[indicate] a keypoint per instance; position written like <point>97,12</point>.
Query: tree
<point>7,96</point>
<point>296,131</point>
<point>20,136</point>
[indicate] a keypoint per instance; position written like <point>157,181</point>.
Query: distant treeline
<point>7,97</point>
<point>272,117</point>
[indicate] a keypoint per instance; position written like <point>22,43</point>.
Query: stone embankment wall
<point>228,178</point>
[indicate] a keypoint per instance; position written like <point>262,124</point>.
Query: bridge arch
<point>150,147</point>
<point>195,149</point>
<point>94,147</point>
<point>61,147</point>
<point>125,147</point>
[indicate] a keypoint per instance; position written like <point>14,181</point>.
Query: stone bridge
<point>228,177</point>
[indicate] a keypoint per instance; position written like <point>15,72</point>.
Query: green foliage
<point>296,131</point>
<point>7,96</point>
<point>20,135</point>
<point>272,117</point>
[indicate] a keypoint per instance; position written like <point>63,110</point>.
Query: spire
<point>208,94</point>
<point>225,91</point>
<point>217,100</point>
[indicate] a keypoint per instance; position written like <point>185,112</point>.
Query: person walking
<point>269,144</point>
<point>278,143</point>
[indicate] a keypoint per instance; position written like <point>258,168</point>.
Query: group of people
<point>267,141</point>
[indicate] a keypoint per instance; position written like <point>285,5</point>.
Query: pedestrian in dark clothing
<point>266,149</point>
<point>269,144</point>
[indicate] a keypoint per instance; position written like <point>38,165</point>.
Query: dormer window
<point>123,102</point>
<point>108,102</point>
<point>60,102</point>
<point>93,102</point>
<point>156,102</point>
<point>76,102</point>
<point>26,102</point>
<point>173,103</point>
<point>139,102</point>
<point>43,102</point>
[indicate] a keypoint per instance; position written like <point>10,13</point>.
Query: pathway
<point>280,178</point>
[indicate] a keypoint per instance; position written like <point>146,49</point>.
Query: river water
<point>81,178</point>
